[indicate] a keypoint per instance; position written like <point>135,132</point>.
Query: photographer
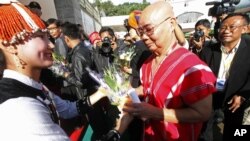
<point>103,54</point>
<point>200,37</point>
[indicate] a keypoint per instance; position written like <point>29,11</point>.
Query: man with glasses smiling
<point>176,84</point>
<point>230,62</point>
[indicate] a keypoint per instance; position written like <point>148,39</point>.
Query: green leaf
<point>58,57</point>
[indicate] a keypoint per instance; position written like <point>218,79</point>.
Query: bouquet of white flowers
<point>118,82</point>
<point>126,56</point>
<point>115,81</point>
<point>60,65</point>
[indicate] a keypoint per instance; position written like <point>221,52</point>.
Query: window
<point>189,17</point>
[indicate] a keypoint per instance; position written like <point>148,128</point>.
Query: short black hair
<point>204,22</point>
<point>107,29</point>
<point>50,21</point>
<point>71,30</point>
<point>244,16</point>
<point>34,4</point>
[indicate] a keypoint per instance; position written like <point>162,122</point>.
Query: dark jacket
<point>103,116</point>
<point>207,43</point>
<point>238,82</point>
<point>101,60</point>
<point>79,58</point>
<point>11,88</point>
<point>142,53</point>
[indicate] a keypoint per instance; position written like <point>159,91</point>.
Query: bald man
<point>176,85</point>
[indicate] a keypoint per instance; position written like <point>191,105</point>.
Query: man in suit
<point>230,62</point>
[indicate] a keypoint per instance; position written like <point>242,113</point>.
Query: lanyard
<point>227,59</point>
<point>48,102</point>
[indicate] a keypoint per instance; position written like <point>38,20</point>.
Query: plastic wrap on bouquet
<point>116,82</point>
<point>116,98</point>
<point>60,65</point>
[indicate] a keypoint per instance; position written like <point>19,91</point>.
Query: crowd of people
<point>186,87</point>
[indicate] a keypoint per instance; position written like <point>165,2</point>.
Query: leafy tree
<point>122,9</point>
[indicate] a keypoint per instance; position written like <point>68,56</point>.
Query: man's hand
<point>143,110</point>
<point>113,45</point>
<point>235,103</point>
<point>198,44</point>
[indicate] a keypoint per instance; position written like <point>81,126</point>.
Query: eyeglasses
<point>52,28</point>
<point>231,27</point>
<point>149,29</point>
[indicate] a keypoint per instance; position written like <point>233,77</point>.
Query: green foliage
<point>122,9</point>
<point>110,77</point>
<point>58,57</point>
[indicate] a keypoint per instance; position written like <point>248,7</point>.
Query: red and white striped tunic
<point>182,79</point>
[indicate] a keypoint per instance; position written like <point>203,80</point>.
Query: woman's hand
<point>102,91</point>
<point>125,118</point>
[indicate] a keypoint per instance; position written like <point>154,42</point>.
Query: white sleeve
<point>186,45</point>
<point>28,119</point>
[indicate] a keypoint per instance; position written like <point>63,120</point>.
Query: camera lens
<point>198,34</point>
<point>106,45</point>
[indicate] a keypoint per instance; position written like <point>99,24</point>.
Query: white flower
<point>126,57</point>
<point>60,66</point>
<point>122,56</point>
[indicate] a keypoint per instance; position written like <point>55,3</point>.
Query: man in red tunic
<point>176,84</point>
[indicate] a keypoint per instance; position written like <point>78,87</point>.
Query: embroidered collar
<point>22,78</point>
<point>46,99</point>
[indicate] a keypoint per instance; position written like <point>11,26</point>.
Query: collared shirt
<point>226,61</point>
<point>26,118</point>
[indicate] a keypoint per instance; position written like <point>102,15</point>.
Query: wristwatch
<point>112,135</point>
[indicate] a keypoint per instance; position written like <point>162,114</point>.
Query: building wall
<point>48,8</point>
<point>75,11</point>
<point>68,10</point>
<point>90,17</point>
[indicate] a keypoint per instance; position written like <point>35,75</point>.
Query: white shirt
<point>186,45</point>
<point>28,119</point>
<point>226,61</point>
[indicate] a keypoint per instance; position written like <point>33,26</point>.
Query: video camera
<point>106,45</point>
<point>220,8</point>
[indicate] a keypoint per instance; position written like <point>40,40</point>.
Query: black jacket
<point>79,58</point>
<point>142,53</point>
<point>103,116</point>
<point>238,82</point>
<point>101,60</point>
<point>239,78</point>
